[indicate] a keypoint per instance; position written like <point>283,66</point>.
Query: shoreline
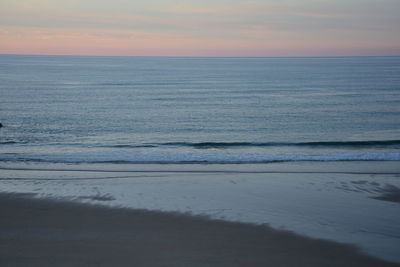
<point>295,167</point>
<point>352,203</point>
<point>39,232</point>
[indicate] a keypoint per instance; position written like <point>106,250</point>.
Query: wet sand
<point>43,233</point>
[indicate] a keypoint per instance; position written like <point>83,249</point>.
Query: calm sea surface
<point>215,110</point>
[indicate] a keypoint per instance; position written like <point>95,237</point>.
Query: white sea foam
<point>142,156</point>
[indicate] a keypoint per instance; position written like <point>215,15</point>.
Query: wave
<point>137,83</point>
<point>221,145</point>
<point>131,146</point>
<point>227,145</point>
<point>7,142</point>
<point>175,157</point>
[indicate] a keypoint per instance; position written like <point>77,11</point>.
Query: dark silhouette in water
<point>1,125</point>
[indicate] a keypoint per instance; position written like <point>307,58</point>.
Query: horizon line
<point>166,56</point>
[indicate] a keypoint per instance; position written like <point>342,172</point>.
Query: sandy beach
<point>298,214</point>
<point>36,232</point>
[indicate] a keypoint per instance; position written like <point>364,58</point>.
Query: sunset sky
<point>200,28</point>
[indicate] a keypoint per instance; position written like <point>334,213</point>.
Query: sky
<point>201,27</point>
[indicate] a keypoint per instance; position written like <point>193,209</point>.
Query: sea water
<point>73,109</point>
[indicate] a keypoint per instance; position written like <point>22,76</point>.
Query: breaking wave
<point>221,145</point>
<point>176,157</point>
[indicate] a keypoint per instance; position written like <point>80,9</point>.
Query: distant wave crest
<point>227,145</point>
<point>221,145</point>
<point>300,144</point>
<point>7,142</point>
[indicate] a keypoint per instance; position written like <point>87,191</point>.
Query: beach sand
<point>148,215</point>
<point>37,232</point>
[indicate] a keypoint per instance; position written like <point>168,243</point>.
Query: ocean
<point>76,109</point>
